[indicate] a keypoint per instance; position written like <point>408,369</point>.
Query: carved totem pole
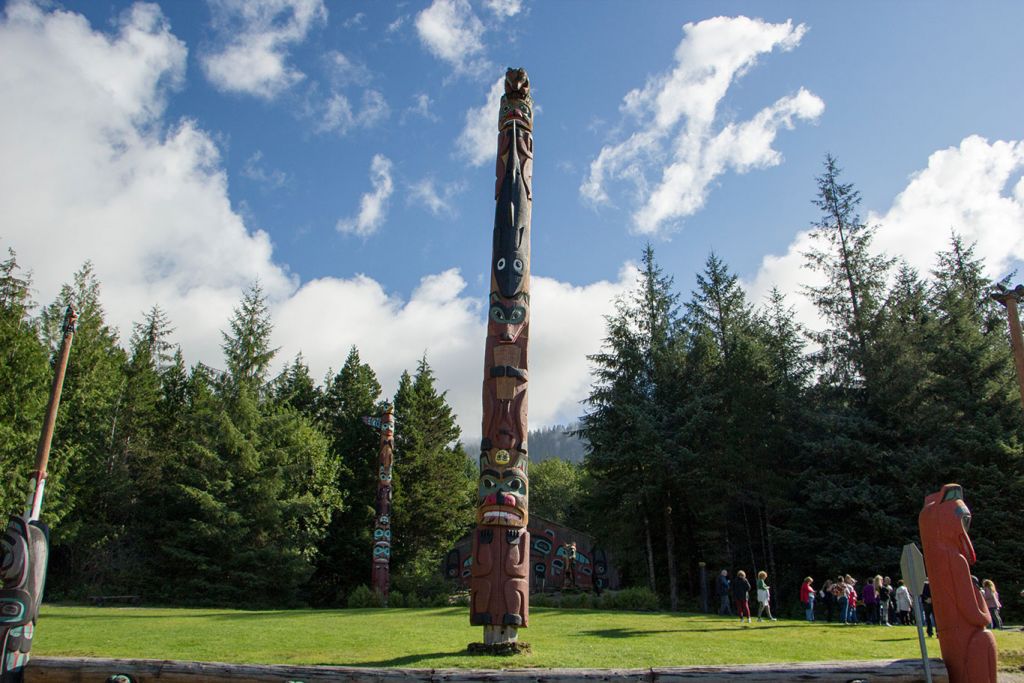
<point>499,586</point>
<point>25,545</point>
<point>968,647</point>
<point>1011,298</point>
<point>381,579</point>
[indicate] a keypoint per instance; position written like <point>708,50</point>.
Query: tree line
<point>720,431</point>
<point>717,431</point>
<point>193,485</point>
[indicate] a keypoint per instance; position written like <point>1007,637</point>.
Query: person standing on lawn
<point>851,596</point>
<point>994,605</point>
<point>903,603</point>
<point>870,601</point>
<point>807,597</point>
<point>926,608</point>
<point>828,598</point>
<point>741,594</point>
<point>883,592</point>
<point>722,591</point>
<point>764,596</point>
<point>839,592</point>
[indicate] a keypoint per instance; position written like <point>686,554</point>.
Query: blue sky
<point>342,153</point>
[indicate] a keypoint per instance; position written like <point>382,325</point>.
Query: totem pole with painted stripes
<point>381,578</point>
<point>499,586</point>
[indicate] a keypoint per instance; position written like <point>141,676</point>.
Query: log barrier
<point>89,670</point>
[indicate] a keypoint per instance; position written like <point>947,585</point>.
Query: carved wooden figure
<point>1011,298</point>
<point>499,586</point>
<point>968,647</point>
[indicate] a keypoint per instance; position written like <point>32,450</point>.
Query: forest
<point>718,430</point>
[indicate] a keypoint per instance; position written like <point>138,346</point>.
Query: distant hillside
<point>556,442</point>
<point>546,443</point>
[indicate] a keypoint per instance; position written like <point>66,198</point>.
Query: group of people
<point>738,591</point>
<point>879,602</point>
<point>884,604</point>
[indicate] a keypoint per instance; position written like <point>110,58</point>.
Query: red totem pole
<point>968,647</point>
<point>381,579</point>
<point>499,587</point>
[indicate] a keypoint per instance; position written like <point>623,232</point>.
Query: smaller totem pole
<point>1011,298</point>
<point>25,546</point>
<point>381,579</point>
<point>968,647</point>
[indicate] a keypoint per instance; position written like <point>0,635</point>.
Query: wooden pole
<point>38,482</point>
<point>1010,298</point>
<point>499,585</point>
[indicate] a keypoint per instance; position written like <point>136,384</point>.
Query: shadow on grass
<point>409,659</point>
<point>637,632</point>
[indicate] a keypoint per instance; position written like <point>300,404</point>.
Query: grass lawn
<point>437,638</point>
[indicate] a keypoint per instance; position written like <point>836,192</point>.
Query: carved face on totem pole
<point>502,489</point>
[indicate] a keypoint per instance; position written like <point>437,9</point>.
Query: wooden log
<point>88,670</point>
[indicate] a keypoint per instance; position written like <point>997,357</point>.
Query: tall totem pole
<point>381,578</point>
<point>499,587</point>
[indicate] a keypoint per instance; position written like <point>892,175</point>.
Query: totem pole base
<point>500,640</point>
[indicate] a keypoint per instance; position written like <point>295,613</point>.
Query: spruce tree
<point>345,554</point>
<point>24,385</point>
<point>434,499</point>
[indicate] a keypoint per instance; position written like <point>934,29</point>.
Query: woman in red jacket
<point>807,597</point>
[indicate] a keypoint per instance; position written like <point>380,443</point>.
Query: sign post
<point>912,566</point>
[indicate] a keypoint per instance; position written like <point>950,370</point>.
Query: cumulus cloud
<point>974,188</point>
<point>254,37</point>
<point>91,171</point>
<point>477,143</point>
<point>422,107</point>
<point>675,152</point>
<point>373,206</point>
<point>450,31</point>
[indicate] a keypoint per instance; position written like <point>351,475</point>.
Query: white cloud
<point>254,169</point>
<point>437,199</point>
<point>255,38</point>
<point>478,141</point>
<point>343,71</point>
<point>504,9</point>
<point>675,113</point>
<point>335,113</point>
<point>90,172</point>
<point>422,107</point>
<point>452,32</point>
<point>373,205</point>
<point>974,188</point>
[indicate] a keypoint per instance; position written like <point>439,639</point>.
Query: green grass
<point>437,638</point>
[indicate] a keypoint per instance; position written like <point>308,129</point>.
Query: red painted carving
<point>968,647</point>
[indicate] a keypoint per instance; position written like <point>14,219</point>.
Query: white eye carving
<point>501,263</point>
<point>518,265</point>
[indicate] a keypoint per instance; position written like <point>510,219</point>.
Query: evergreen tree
<point>434,499</point>
<point>295,387</point>
<point>629,427</point>
<point>82,456</point>
<point>344,560</point>
<point>24,386</point>
<point>555,491</point>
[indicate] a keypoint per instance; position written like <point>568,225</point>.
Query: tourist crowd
<point>877,601</point>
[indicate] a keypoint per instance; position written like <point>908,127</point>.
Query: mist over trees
<point>717,430</point>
